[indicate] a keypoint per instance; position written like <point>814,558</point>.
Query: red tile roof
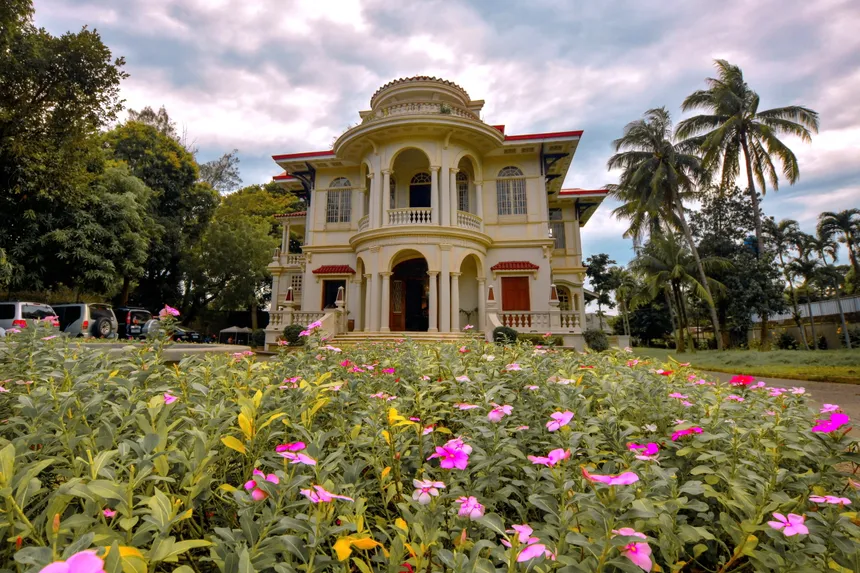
<point>567,192</point>
<point>551,135</point>
<point>500,128</point>
<point>295,214</point>
<point>334,270</point>
<point>514,266</point>
<point>283,177</point>
<point>303,154</point>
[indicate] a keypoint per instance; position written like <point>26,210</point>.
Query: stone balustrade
<point>363,223</point>
<point>468,221</point>
<point>409,216</point>
<point>420,108</point>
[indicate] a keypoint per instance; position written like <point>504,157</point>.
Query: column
<point>354,303</point>
<point>482,305</point>
<point>386,302</point>
<point>309,217</point>
<point>433,309</point>
<point>434,195</point>
<point>445,294</point>
<point>359,209</point>
<point>581,301</point>
<point>383,197</point>
<point>276,291</point>
<point>479,201</point>
<point>452,195</point>
<point>374,303</point>
<point>285,238</point>
<point>455,302</point>
<point>368,294</point>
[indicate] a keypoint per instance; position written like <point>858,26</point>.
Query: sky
<point>280,76</point>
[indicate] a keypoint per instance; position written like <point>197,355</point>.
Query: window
<point>339,202</point>
<point>462,192</point>
<point>563,298</point>
<point>36,311</point>
<point>392,187</point>
<point>419,190</point>
<point>511,191</point>
<point>296,283</point>
<point>556,225</point>
<point>7,311</point>
<point>515,293</point>
<point>330,289</point>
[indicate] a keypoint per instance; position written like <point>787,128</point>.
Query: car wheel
<point>103,328</point>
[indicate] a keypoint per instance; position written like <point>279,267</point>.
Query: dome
<point>419,89</point>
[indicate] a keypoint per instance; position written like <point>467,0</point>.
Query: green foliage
<point>91,431</point>
<point>649,322</point>
<point>222,174</point>
<point>540,339</point>
<point>504,335</point>
<point>596,339</point>
<point>258,338</point>
<point>786,341</point>
<point>291,335</point>
<point>603,281</point>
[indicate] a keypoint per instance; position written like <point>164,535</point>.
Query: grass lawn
<point>817,365</point>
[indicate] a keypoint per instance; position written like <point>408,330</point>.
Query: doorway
<point>409,297</point>
<point>419,190</point>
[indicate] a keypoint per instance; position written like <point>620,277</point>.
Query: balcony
<point>364,223</point>
<point>419,108</point>
<point>288,259</point>
<point>409,216</point>
<point>468,221</point>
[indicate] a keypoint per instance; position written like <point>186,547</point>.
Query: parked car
<point>15,314</point>
<point>131,321</point>
<point>87,320</point>
<point>182,334</point>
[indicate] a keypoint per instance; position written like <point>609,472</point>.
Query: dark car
<point>181,334</point>
<point>131,321</point>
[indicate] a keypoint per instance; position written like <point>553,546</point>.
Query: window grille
<point>511,192</point>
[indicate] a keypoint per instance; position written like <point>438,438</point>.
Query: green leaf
<point>7,465</point>
<point>296,546</point>
<point>493,522</point>
<point>483,566</point>
<point>106,489</point>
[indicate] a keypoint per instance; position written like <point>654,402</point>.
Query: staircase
<point>352,338</point>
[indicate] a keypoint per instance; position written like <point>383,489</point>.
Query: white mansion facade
<point>425,218</point>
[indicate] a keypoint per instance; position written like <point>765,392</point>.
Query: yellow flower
<point>343,546</point>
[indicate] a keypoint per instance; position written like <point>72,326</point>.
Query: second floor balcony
<point>422,216</point>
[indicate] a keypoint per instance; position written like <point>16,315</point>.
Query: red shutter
<point>515,293</point>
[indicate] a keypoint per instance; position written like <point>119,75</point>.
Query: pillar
<point>368,297</point>
<point>455,302</point>
<point>355,303</point>
<point>554,310</point>
<point>373,216</point>
<point>285,238</point>
<point>435,208</point>
<point>276,290</point>
<point>452,195</point>
<point>374,303</point>
<point>309,217</point>
<point>445,288</point>
<point>479,201</point>
<point>581,310</point>
<point>384,311</point>
<point>433,310</point>
<point>482,305</point>
<point>383,197</point>
<point>359,208</point>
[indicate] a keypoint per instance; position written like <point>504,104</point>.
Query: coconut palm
<point>783,239</point>
<point>830,276</point>
<point>845,223</point>
<point>808,269</point>
<point>657,174</point>
<point>627,288</point>
<point>823,246</point>
<point>734,128</point>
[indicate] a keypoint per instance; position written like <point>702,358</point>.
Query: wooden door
<point>397,300</point>
<point>515,294</point>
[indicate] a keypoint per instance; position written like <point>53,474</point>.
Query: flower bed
<point>412,458</point>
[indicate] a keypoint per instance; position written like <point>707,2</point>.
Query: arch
<point>427,154</point>
<point>406,254</point>
<point>479,263</point>
<point>409,284</point>
<point>420,178</point>
<point>339,182</point>
<point>511,197</point>
<point>477,167</point>
<point>572,289</point>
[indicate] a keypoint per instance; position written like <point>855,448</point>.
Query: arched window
<point>462,192</point>
<point>511,191</point>
<point>339,201</point>
<point>419,190</point>
<point>563,298</point>
<point>392,191</point>
<point>421,178</point>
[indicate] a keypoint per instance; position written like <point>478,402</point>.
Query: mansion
<point>424,218</point>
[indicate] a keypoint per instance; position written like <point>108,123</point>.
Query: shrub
<point>853,336</point>
<point>172,451</point>
<point>504,335</point>
<point>541,340</point>
<point>786,341</point>
<point>291,335</point>
<point>258,338</point>
<point>822,343</point>
<point>596,339</point>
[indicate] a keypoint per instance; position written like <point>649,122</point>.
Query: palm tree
<point>735,127</point>
<point>656,175</point>
<point>626,289</point>
<point>846,223</point>
<point>823,246</point>
<point>782,238</point>
<point>831,276</point>
<point>809,270</point>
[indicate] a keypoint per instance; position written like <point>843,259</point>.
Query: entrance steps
<point>351,338</point>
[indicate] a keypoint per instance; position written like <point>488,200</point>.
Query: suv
<point>16,314</point>
<point>131,321</point>
<point>87,320</point>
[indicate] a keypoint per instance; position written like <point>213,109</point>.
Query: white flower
<point>650,427</point>
<point>426,489</point>
<point>462,378</point>
<point>489,357</point>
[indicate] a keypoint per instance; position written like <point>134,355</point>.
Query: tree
<point>783,237</point>
<point>647,322</point>
<point>830,276</point>
<point>602,281</point>
<point>222,174</point>
<point>657,174</point>
<point>160,120</point>
<point>846,223</point>
<point>627,289</point>
<point>809,271</point>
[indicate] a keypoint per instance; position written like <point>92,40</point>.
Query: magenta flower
<point>319,495</point>
<point>463,350</point>
<point>299,458</point>
<point>426,489</point>
<point>520,428</point>
<point>741,380</point>
<point>463,406</point>
<point>469,507</point>
<point>831,499</point>
<point>625,478</point>
<point>81,562</point>
<point>462,378</point>
<point>169,398</point>
<point>514,367</point>
<point>798,391</point>
<point>168,311</point>
<point>258,494</point>
<point>836,421</point>
<point>305,333</point>
<point>632,363</point>
<point>428,429</point>
<point>388,370</point>
<point>346,363</point>
<point>793,525</point>
<point>559,420</point>
<point>551,459</point>
<point>531,552</point>
<point>454,454</point>
<point>290,447</point>
<point>314,325</point>
<point>827,408</point>
<point>638,552</point>
<point>109,513</point>
<point>383,396</point>
<point>523,533</point>
<point>468,327</point>
<point>499,412</point>
<point>649,450</point>
<point>681,433</point>
<point>678,395</point>
<point>734,397</point>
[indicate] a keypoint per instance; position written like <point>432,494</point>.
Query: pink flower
<point>798,391</point>
<point>524,534</point>
<point>427,430</point>
<point>388,370</point>
<point>463,350</point>
<point>513,367</point>
<point>499,412</point>
<point>314,325</point>
<point>383,396</point>
<point>425,378</point>
<point>469,507</point>
<point>758,385</point>
<point>791,526</point>
<point>638,552</point>
<point>299,458</point>
<point>532,387</point>
<point>319,495</point>
<point>258,494</point>
<point>81,562</point>
<point>632,363</point>
<point>551,459</point>
<point>827,408</point>
<point>770,413</point>
<point>468,327</point>
<point>332,348</point>
<point>425,490</point>
<point>520,428</point>
<point>625,478</point>
<point>678,395</point>
<point>169,398</point>
<point>356,369</point>
<point>305,333</point>
<point>345,363</point>
<point>290,447</point>
<point>734,397</point>
<point>835,422</point>
<point>559,420</point>
<point>649,450</point>
<point>109,513</point>
<point>454,454</point>
<point>463,406</point>
<point>50,337</point>
<point>776,392</point>
<point>462,378</point>
<point>686,403</point>
<point>168,311</point>
<point>3,389</point>
<point>681,433</point>
<point>741,380</point>
<point>831,499</point>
